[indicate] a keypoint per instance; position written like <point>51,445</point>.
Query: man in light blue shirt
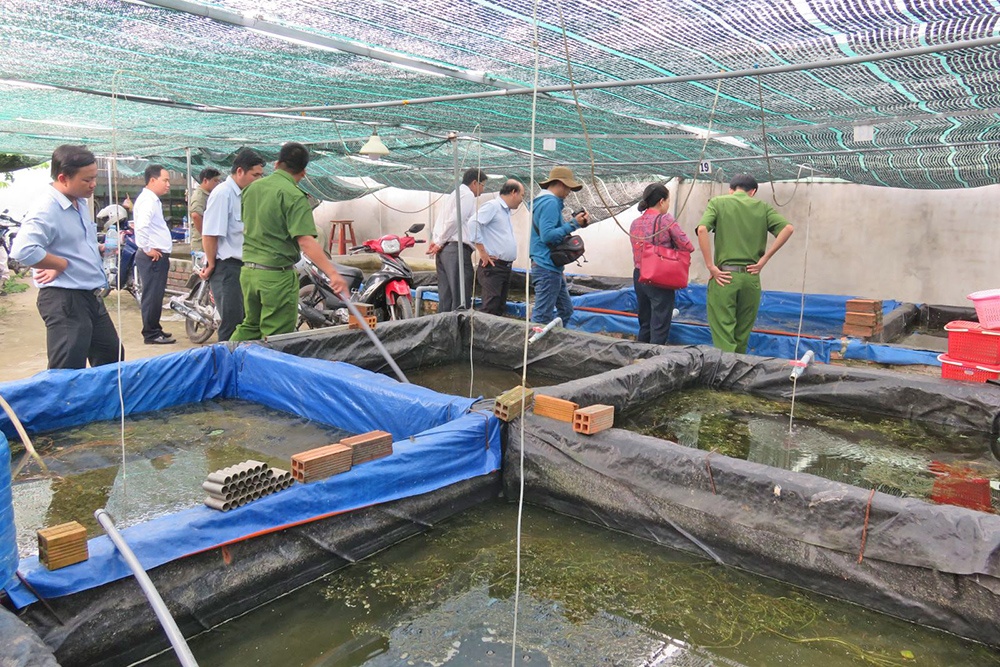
<point>58,240</point>
<point>153,257</point>
<point>494,239</point>
<point>222,238</point>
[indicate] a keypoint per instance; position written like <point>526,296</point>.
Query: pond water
<point>487,381</point>
<point>168,454</point>
<point>588,597</point>
<point>896,456</point>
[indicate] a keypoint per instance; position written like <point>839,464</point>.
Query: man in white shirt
<point>444,242</point>
<point>153,257</point>
<point>222,238</point>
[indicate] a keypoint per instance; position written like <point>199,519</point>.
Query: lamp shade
<point>374,148</point>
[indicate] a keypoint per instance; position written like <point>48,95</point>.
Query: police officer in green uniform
<point>741,225</point>
<point>278,225</point>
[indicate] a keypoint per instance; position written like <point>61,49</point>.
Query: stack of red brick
<point>864,318</point>
<point>973,352</point>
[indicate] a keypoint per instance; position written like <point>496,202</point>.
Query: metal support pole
<point>177,640</point>
<point>458,224</point>
<point>187,193</point>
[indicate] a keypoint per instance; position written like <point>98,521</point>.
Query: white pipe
<point>548,327</point>
<point>177,640</point>
<point>799,367</point>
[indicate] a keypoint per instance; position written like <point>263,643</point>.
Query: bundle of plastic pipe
<point>239,484</point>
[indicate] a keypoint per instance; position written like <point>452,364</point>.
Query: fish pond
<point>168,454</point>
<point>587,597</point>
<point>898,456</point>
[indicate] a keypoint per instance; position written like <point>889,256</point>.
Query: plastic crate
<point>987,303</point>
<point>969,341</point>
<point>955,369</point>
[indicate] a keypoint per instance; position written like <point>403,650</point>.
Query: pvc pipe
<point>184,655</point>
<point>799,367</point>
<point>548,327</point>
<point>215,488</point>
<point>221,504</point>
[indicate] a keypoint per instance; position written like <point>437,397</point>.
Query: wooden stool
<point>344,227</point>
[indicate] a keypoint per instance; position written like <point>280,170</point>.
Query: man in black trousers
<point>153,258</point>
<point>58,240</point>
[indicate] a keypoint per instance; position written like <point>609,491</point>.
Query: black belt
<point>502,262</point>
<point>467,245</point>
<point>733,268</point>
<point>264,267</point>
<point>233,260</point>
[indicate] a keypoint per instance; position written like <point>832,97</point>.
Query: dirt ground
<point>22,333</point>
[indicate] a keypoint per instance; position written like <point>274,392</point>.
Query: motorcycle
<point>388,290</point>
<point>201,317</point>
<point>121,271</point>
<point>9,227</point>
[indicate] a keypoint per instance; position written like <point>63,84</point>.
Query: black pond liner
<point>932,564</point>
<point>114,625</point>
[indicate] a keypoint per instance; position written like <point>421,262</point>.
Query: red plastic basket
<point>969,341</point>
<point>954,369</point>
<point>987,303</point>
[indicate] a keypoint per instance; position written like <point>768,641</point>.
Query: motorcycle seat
<point>352,274</point>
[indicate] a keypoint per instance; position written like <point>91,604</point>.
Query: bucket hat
<point>565,176</point>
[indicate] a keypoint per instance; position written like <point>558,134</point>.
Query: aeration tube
<point>177,640</point>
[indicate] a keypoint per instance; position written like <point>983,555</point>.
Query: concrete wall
<point>922,246</point>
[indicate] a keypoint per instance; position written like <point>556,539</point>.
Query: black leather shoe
<point>166,334</point>
<point>160,340</point>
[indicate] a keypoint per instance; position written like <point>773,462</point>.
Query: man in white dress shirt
<point>153,257</point>
<point>444,243</point>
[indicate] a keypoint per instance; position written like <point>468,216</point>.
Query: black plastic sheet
<point>932,564</point>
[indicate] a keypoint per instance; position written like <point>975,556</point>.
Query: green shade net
<point>147,81</point>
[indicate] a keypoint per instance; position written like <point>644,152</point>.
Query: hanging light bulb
<point>374,148</point>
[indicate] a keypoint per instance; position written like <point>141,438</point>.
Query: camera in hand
<point>576,213</point>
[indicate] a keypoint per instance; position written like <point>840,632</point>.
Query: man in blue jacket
<point>549,229</point>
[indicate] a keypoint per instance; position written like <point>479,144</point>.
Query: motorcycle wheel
<point>310,296</point>
<point>199,333</point>
<point>135,289</point>
<point>403,308</point>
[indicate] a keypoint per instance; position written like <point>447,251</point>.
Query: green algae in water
<point>168,454</point>
<point>889,454</point>
<point>588,597</point>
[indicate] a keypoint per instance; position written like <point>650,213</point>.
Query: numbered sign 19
<point>705,167</point>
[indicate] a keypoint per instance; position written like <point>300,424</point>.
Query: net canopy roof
<point>150,80</point>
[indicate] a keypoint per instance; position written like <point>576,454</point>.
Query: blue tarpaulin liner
<point>825,312</point>
<point>437,442</point>
<point>8,531</point>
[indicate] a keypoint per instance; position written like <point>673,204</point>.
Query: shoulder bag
<point>659,266</point>
<point>569,250</point>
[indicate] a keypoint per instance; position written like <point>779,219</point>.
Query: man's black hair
<point>246,159</point>
<point>744,182</point>
<point>294,156</point>
<point>153,171</point>
<point>473,176</point>
<point>69,159</point>
<point>207,174</point>
<point>510,187</point>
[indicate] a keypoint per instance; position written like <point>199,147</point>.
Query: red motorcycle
<point>389,289</point>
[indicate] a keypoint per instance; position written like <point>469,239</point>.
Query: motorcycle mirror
<point>414,228</point>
